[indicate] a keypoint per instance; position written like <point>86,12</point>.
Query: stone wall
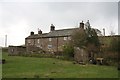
<point>80,55</point>
<point>53,44</point>
<point>34,49</point>
<point>16,50</point>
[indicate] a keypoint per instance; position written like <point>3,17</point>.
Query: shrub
<point>68,51</point>
<point>115,45</point>
<point>5,49</point>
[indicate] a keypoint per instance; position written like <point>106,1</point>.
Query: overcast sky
<point>19,18</point>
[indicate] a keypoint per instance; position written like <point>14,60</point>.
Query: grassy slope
<point>29,67</point>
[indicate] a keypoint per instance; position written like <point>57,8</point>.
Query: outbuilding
<point>16,50</point>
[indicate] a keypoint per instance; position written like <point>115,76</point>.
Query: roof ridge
<point>65,29</point>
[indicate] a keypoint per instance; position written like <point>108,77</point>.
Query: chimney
<point>81,25</point>
<point>52,27</point>
<point>31,33</point>
<point>103,31</point>
<point>39,32</point>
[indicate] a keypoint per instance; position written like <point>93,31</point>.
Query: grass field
<point>30,67</point>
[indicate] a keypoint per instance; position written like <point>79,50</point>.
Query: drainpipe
<point>57,44</point>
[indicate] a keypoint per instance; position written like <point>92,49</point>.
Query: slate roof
<point>55,33</point>
<point>62,32</point>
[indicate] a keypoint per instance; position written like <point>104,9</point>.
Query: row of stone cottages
<point>48,42</point>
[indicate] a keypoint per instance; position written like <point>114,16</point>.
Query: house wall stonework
<point>52,41</point>
<point>50,44</point>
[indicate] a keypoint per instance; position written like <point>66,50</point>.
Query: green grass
<point>31,67</point>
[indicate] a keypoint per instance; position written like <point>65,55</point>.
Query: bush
<point>115,45</point>
<point>68,51</point>
<point>39,55</point>
<point>5,49</point>
<point>110,50</point>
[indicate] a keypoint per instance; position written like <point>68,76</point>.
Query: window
<point>50,39</point>
<point>65,38</point>
<point>29,41</point>
<point>12,50</point>
<point>38,40</point>
<point>69,38</point>
<point>49,46</point>
<point>40,46</point>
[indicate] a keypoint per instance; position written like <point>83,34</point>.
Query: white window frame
<point>49,46</point>
<point>38,40</point>
<point>65,38</point>
<point>29,41</point>
<point>40,46</point>
<point>69,38</point>
<point>50,39</point>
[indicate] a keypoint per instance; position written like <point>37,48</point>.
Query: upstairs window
<point>50,39</point>
<point>29,41</point>
<point>65,38</point>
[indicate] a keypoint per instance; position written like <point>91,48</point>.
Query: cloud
<point>19,18</point>
<point>119,18</point>
<point>59,0</point>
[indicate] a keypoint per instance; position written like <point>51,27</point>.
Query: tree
<point>79,38</point>
<point>115,45</point>
<point>83,38</point>
<point>92,39</point>
<point>86,39</point>
<point>68,51</point>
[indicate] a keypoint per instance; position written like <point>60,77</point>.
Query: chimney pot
<point>39,32</point>
<point>31,33</point>
<point>52,27</point>
<point>103,31</point>
<point>81,25</point>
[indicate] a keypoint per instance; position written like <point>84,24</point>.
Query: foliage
<point>79,38</point>
<point>84,37</point>
<point>114,45</point>
<point>5,49</point>
<point>68,51</point>
<point>39,55</point>
<point>92,37</point>
<point>110,49</point>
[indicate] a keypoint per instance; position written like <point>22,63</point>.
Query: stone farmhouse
<point>52,41</point>
<point>55,40</point>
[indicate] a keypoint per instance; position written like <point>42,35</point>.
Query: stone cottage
<point>52,41</point>
<point>49,42</point>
